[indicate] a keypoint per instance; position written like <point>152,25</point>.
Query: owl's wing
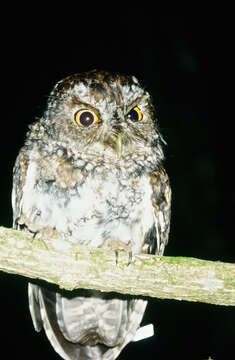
<point>19,179</point>
<point>20,223</point>
<point>161,201</point>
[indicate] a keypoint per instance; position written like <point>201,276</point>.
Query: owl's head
<point>102,111</point>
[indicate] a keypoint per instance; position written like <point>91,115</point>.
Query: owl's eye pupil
<point>86,118</point>
<point>135,114</point>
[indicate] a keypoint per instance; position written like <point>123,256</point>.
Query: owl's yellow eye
<point>135,114</point>
<point>86,118</point>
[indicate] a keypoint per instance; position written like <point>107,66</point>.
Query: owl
<point>91,172</point>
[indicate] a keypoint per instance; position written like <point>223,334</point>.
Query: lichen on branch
<point>73,266</point>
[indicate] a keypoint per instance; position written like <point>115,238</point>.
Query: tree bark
<point>72,266</point>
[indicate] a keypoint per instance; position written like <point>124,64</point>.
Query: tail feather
<point>85,328</point>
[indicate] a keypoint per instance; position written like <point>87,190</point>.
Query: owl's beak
<point>119,145</point>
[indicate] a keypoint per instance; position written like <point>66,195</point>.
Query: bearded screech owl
<point>91,172</point>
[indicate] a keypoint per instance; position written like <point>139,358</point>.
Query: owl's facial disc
<point>116,131</point>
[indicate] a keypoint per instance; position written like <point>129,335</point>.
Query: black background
<point>171,55</point>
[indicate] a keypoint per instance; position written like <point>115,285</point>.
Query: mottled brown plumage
<point>91,172</point>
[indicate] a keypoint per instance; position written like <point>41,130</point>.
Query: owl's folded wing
<point>161,201</point>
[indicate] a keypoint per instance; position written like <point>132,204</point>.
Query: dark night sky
<point>170,54</point>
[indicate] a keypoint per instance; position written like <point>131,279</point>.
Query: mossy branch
<point>72,266</point>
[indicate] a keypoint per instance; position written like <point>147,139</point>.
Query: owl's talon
<point>35,234</point>
<point>116,256</point>
<point>130,257</point>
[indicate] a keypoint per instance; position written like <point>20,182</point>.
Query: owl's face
<point>101,111</point>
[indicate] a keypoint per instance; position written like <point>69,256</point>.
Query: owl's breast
<point>103,208</point>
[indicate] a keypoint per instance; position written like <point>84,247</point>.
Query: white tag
<point>144,332</point>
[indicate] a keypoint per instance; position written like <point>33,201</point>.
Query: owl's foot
<point>129,256</point>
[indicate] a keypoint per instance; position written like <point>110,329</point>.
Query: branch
<point>72,266</point>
